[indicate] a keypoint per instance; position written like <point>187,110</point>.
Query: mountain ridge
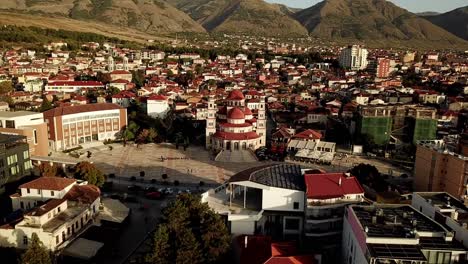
<point>455,21</point>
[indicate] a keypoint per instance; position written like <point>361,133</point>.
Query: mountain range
<point>368,21</point>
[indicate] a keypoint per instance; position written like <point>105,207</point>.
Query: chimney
<point>246,239</point>
<point>339,181</point>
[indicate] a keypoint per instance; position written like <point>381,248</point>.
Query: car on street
<point>153,195</point>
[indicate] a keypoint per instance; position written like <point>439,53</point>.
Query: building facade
<point>71,126</point>
<point>28,124</point>
<point>234,126</point>
<point>14,159</point>
<point>436,169</point>
<point>354,57</point>
<point>57,209</point>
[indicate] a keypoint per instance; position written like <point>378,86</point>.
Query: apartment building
<point>15,162</point>
<point>437,169</point>
<point>446,210</point>
<point>382,233</point>
<point>73,86</point>
<point>71,126</point>
<point>57,209</point>
<point>354,57</point>
<point>28,124</point>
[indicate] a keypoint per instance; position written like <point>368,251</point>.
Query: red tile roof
<point>45,208</point>
<point>235,113</point>
<point>327,185</point>
<point>48,183</point>
<point>306,259</point>
<point>309,134</point>
<point>120,72</point>
<point>83,193</point>
<point>236,95</point>
<point>157,97</point>
<point>69,110</point>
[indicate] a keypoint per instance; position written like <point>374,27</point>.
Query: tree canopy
<point>36,252</point>
<point>88,171</point>
<point>6,87</point>
<point>189,233</point>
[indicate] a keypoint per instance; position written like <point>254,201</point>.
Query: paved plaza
<point>193,165</point>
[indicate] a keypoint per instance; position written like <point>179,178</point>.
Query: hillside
<point>374,21</point>
<point>455,21</point>
<point>151,16</point>
<point>241,16</point>
<point>59,22</point>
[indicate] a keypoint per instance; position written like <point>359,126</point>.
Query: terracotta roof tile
<point>49,183</point>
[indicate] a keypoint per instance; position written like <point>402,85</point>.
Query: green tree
<point>6,87</point>
<point>161,247</point>
<point>36,252</point>
<point>46,105</point>
<point>190,232</point>
<point>113,90</point>
<point>88,172</point>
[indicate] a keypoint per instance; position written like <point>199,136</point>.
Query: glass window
<point>52,193</point>
<point>292,224</point>
<point>25,240</point>
<point>296,205</point>
<point>26,154</point>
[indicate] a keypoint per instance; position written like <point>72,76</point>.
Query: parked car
<point>153,195</point>
<point>150,189</point>
<point>168,191</point>
<point>116,196</point>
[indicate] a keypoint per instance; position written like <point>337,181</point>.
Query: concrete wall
<point>352,252</point>
<point>242,227</point>
<point>277,199</point>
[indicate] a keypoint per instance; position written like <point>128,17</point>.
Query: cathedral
<point>233,126</point>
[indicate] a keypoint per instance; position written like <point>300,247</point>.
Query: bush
<point>153,181</point>
<point>202,183</point>
<point>133,178</point>
<point>176,183</point>
<point>112,175</point>
<point>142,174</point>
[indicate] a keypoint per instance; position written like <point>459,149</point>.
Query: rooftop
<point>9,114</point>
<point>286,176</point>
<point>48,183</point>
<point>331,185</point>
<point>394,221</point>
<point>69,110</point>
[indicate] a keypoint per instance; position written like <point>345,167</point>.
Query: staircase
<point>244,156</point>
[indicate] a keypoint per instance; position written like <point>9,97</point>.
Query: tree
<point>46,105</point>
<point>161,247</point>
<point>164,176</point>
<point>113,90</point>
<point>88,171</point>
<point>142,174</point>
<point>48,170</point>
<point>6,87</point>
<point>190,232</point>
<point>36,252</point>
<point>369,175</point>
<point>105,78</point>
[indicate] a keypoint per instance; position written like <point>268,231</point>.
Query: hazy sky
<point>411,5</point>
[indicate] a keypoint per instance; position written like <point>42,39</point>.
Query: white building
<point>56,209</point>
<point>446,209</point>
<point>396,234</point>
<point>158,106</point>
<point>73,86</point>
<point>354,58</point>
<point>266,200</point>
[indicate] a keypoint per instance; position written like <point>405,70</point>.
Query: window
<point>58,209</point>
<point>49,215</point>
<point>12,159</point>
<point>35,136</point>
<point>57,240</point>
<point>292,224</point>
<point>52,193</point>
<point>27,165</point>
<point>26,154</point>
<point>38,191</point>
<point>296,205</point>
<point>28,190</point>
<point>25,240</point>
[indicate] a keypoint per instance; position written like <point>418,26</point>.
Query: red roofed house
<point>158,106</point>
<point>56,209</point>
<point>308,135</point>
<point>71,126</point>
<point>327,196</point>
